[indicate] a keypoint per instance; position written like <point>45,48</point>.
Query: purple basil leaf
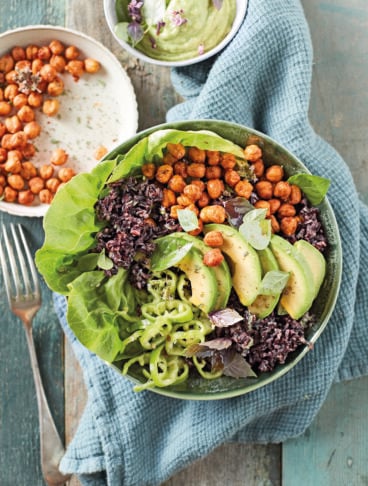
<point>217,4</point>
<point>206,349</point>
<point>225,317</point>
<point>236,208</point>
<point>236,366</point>
<point>135,32</point>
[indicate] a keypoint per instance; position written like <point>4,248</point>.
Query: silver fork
<point>23,292</point>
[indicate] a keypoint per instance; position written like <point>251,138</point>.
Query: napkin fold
<point>261,79</point>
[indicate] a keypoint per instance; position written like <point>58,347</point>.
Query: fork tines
<point>19,272</point>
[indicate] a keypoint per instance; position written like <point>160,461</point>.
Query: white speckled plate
<point>98,110</point>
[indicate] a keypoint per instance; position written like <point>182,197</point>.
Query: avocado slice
<point>222,272</point>
<point>315,260</point>
<point>298,295</point>
<point>243,261</point>
<point>265,304</point>
<point>202,280</point>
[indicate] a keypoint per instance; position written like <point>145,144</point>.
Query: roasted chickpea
<point>274,173</point>
<point>10,194</point>
<point>275,226</point>
<point>198,230</point>
<point>1,190</point>
<point>177,150</point>
<point>28,171</point>
<point>65,174</point>
<point>214,239</point>
<point>199,183</point>
<point>289,225</point>
<point>71,52</point>
<point>232,177</point>
<point>2,129</point>
<point>264,189</point>
<point>5,108</point>
<point>36,184</point>
<point>44,53</point>
<point>197,155</point>
<point>42,86</point>
<point>274,205</point>
<point>16,181</point>
<point>282,190</point>
<point>180,168</point>
<point>18,53</point>
<point>11,91</point>
<point>213,214</point>
<point>258,168</point>
<point>168,198</point>
<point>11,77</point>
<point>100,152</point>
<point>286,210</point>
<point>75,68</point>
<point>213,157</point>
<point>59,157</point>
<point>263,205</point>
<point>23,65</point>
<point>48,73</point>
<point>37,65</point>
<point>20,100</point>
<point>169,159</point>
<point>29,150</point>
<point>13,163</point>
<point>6,141</point>
<point>213,172</point>
<point>3,155</point>
<point>31,52</point>
<point>184,201</point>
<point>2,181</point>
<point>58,62</point>
<point>26,114</point>
<point>52,184</point>
<point>295,194</point>
<point>18,140</point>
<point>149,170</point>
<point>174,210</point>
<point>46,171</point>
<point>46,196</point>
<point>196,170</point>
<point>215,187</point>
<point>244,189</point>
<point>25,197</point>
<point>91,65</point>
<point>204,200</point>
<point>1,94</point>
<point>56,87</point>
<point>164,173</point>
<point>56,47</point>
<point>228,161</point>
<point>13,124</point>
<point>6,63</point>
<point>252,152</point>
<point>177,183</point>
<point>35,99</point>
<point>32,129</point>
<point>192,192</point>
<point>213,257</point>
<point>51,107</point>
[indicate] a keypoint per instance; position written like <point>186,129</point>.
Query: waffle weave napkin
<point>261,79</point>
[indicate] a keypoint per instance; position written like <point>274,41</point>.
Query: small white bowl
<point>111,18</point>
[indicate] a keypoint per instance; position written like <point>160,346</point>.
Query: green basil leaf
<point>104,262</point>
<point>187,219</point>
<point>257,214</point>
<point>314,187</point>
<point>257,233</point>
<point>274,282</point>
<point>168,252</point>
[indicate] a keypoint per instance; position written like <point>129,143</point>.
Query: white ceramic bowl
<point>98,110</point>
<point>111,18</point>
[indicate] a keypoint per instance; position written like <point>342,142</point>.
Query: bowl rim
<point>110,17</point>
<point>280,370</point>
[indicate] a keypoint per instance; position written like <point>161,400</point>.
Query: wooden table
<point>334,450</point>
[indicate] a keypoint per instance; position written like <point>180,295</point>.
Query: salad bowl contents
<point>200,259</point>
<point>174,32</point>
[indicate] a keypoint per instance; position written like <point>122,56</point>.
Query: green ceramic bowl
<point>225,387</point>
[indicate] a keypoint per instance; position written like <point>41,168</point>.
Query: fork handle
<point>51,446</point>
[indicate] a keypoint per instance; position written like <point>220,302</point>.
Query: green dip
<point>184,29</point>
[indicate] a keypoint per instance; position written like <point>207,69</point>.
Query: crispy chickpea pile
<point>30,82</point>
<point>195,179</point>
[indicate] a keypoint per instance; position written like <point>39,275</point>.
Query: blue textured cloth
<point>262,79</point>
